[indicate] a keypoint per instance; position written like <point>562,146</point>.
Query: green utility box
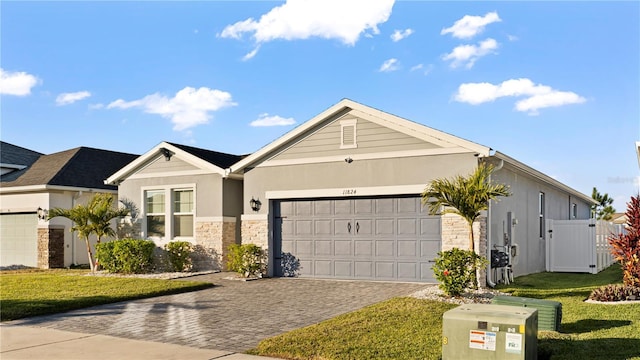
<point>488,331</point>
<point>549,312</point>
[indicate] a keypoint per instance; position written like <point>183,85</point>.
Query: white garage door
<point>388,238</point>
<point>19,239</point>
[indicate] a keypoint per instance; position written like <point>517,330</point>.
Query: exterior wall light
<point>166,153</point>
<point>255,204</point>
<point>42,213</point>
<point>348,160</point>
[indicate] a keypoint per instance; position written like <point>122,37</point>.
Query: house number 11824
<point>349,192</point>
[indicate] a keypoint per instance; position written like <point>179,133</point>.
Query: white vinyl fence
<point>579,245</point>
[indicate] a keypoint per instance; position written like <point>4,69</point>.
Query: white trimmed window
<point>183,213</point>
<point>155,212</point>
<point>169,213</point>
<point>348,134</point>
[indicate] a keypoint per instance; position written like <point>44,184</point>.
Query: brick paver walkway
<point>232,316</point>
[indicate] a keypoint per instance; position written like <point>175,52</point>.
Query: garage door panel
<point>364,227</point>
<point>384,248</point>
<point>385,206</point>
<point>304,247</point>
<point>288,246</point>
<point>363,248</point>
<point>322,227</point>
<point>429,248</point>
<point>304,227</point>
<point>303,208</point>
<point>343,269</point>
<point>363,269</point>
<point>342,248</point>
<point>385,227</point>
<point>342,207</point>
<point>385,270</point>
<point>407,206</point>
<point>426,271</point>
<point>407,227</point>
<point>430,227</point>
<point>342,227</point>
<point>286,208</point>
<point>407,270</point>
<point>322,268</point>
<point>408,248</point>
<point>287,227</point>
<point>363,206</point>
<point>322,207</point>
<point>306,267</point>
<point>323,247</point>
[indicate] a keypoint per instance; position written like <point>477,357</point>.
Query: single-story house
<point>341,195</point>
<point>184,194</point>
<point>31,183</point>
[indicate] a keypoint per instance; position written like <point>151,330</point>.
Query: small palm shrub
<point>126,256</point>
<point>455,270</point>
<point>246,259</point>
<point>615,292</point>
<point>179,255</point>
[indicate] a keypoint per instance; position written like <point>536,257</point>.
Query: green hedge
<point>126,256</point>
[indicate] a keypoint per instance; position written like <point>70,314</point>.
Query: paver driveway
<point>232,316</point>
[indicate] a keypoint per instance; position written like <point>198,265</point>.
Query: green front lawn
<point>407,328</point>
<point>40,292</point>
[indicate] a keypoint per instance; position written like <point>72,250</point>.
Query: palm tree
<point>95,217</point>
<point>464,196</point>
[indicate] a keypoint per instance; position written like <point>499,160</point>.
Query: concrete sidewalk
<point>33,343</point>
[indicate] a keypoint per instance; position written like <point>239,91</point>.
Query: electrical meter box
<point>489,331</point>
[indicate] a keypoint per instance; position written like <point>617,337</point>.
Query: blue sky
<point>555,85</point>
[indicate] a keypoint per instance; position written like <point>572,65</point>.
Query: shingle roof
<point>80,167</point>
<point>218,159</point>
<point>16,155</point>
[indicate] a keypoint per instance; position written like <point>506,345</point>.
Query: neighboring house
<point>184,194</point>
<point>32,183</point>
<point>341,194</point>
<point>618,218</point>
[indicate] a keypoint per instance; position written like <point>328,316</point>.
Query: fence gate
<point>571,246</point>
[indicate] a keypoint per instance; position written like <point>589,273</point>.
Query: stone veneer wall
<point>455,233</point>
<point>256,232</point>
<point>212,239</point>
<point>51,247</point>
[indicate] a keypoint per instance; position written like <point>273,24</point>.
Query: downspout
<point>490,281</point>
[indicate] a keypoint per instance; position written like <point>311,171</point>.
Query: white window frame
<point>168,211</point>
<point>174,213</point>
<point>345,124</point>
<point>147,214</point>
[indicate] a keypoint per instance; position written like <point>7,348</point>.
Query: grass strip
<point>41,292</point>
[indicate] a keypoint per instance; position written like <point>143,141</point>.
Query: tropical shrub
<point>126,256</point>
<point>625,247</point>
<point>455,270</point>
<point>246,259</point>
<point>615,292</point>
<point>179,255</point>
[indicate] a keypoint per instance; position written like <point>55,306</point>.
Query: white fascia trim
<point>346,192</point>
<point>370,156</point>
<point>12,166</point>
<point>540,176</point>
<point>169,174</point>
<point>254,217</point>
<point>40,188</point>
<point>419,131</point>
<point>215,219</point>
<point>150,155</point>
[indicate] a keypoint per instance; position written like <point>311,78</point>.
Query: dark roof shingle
<point>221,160</point>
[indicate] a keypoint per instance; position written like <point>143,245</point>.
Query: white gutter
<point>34,188</point>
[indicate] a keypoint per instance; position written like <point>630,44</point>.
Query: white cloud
<point>467,55</point>
<point>303,19</point>
<point>275,120</point>
<point>16,83</point>
<point>401,34</point>
<point>426,70</point>
<point>96,106</point>
<point>251,54</point>
<point>389,65</point>
<point>188,108</point>
<point>470,26</point>
<point>537,96</point>
<point>512,38</point>
<point>70,98</point>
